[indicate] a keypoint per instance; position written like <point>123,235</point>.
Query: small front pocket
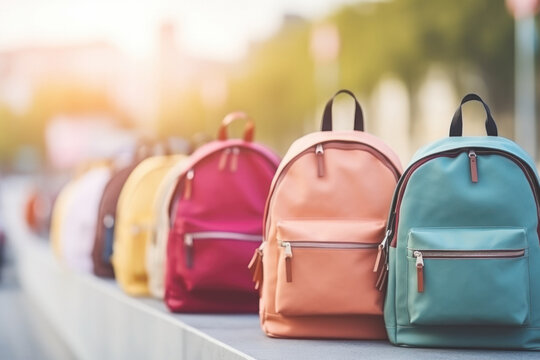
<point>326,267</point>
<point>217,260</point>
<point>468,276</point>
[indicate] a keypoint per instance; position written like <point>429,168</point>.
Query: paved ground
<point>24,333</point>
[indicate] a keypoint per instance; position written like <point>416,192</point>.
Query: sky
<point>211,29</point>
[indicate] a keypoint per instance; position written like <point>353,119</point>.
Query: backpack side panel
<point>156,250</point>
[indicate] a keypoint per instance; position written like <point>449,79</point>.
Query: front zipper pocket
<point>216,260</point>
<point>468,276</point>
<point>326,267</point>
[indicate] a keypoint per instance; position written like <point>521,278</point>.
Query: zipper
<point>223,235</point>
<point>473,166</point>
<point>381,251</point>
<point>328,245</point>
<point>332,144</point>
<point>319,152</point>
<point>108,221</point>
<point>288,260</point>
<point>342,145</point>
<point>420,255</point>
<point>419,271</point>
<point>234,160</point>
<point>288,246</point>
<point>390,238</point>
<point>185,178</point>
<point>223,159</point>
<point>188,184</point>
<point>454,153</point>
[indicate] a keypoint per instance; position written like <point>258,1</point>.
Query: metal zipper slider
<point>223,158</point>
<point>288,260</point>
<point>419,270</point>
<point>188,184</point>
<point>319,152</point>
<point>473,166</point>
<point>380,251</point>
<point>188,249</point>
<point>108,221</point>
<point>234,160</point>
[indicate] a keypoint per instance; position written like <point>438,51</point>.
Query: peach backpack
<point>325,216</point>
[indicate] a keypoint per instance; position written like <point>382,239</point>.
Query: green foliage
<point>404,37</point>
<point>51,99</point>
<point>276,83</point>
<point>8,123</point>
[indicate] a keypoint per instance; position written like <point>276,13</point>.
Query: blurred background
<point>80,78</point>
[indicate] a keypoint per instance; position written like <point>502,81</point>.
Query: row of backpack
<point>173,226</point>
<point>442,254</point>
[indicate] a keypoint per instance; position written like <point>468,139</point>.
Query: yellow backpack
<point>135,222</point>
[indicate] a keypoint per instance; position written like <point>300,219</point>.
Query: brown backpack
<point>103,244</point>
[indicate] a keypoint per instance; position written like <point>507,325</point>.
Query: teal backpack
<point>462,245</point>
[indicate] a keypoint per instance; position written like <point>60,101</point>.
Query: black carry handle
<point>456,128</point>
<point>327,115</point>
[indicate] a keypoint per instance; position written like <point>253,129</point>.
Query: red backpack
<point>217,213</point>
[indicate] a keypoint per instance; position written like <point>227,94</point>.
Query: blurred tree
<point>66,98</point>
<point>405,37</point>
<point>8,122</point>
<point>276,84</point>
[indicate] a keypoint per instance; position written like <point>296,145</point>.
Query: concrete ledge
<point>98,321</point>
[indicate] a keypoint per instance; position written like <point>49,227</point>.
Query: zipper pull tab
<point>255,266</point>
<point>419,270</point>
<point>223,158</point>
<point>474,167</point>
<point>188,249</point>
<point>288,260</point>
<point>381,280</point>
<point>234,160</point>
<point>319,152</point>
<point>187,184</point>
<point>380,251</point>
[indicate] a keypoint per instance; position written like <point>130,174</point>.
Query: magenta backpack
<point>216,224</point>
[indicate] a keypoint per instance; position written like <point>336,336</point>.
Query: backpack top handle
<point>327,115</point>
<point>456,127</point>
<point>249,128</point>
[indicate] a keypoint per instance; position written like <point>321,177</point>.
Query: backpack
<point>324,219</point>
<point>156,248</point>
<point>61,205</point>
<point>135,222</point>
<point>216,216</point>
<point>103,242</point>
<point>79,217</point>
<point>463,245</point>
